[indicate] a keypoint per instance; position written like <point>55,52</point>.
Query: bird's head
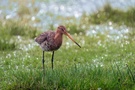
<point>63,30</point>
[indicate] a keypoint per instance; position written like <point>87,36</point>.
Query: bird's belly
<point>50,46</point>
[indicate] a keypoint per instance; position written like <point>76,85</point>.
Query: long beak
<point>72,38</point>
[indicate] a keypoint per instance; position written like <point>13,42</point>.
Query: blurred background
<point>43,13</point>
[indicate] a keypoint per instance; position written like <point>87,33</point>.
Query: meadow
<point>106,60</point>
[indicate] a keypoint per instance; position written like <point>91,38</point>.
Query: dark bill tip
<point>78,44</point>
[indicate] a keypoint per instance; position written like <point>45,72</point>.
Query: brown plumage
<point>52,40</point>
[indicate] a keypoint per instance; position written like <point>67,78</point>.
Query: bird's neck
<point>58,39</point>
<point>58,35</point>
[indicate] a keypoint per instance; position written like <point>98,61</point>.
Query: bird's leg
<point>43,62</point>
<point>52,59</point>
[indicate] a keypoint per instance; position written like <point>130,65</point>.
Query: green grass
<point>109,65</point>
<point>10,29</point>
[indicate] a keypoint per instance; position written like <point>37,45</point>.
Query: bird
<point>52,41</point>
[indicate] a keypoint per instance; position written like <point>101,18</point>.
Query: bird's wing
<point>41,38</point>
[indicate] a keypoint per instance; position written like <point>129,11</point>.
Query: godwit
<point>51,41</point>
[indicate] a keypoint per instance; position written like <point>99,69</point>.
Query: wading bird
<point>52,40</point>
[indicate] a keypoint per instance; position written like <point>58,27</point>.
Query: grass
<point>10,29</point>
<point>94,66</point>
